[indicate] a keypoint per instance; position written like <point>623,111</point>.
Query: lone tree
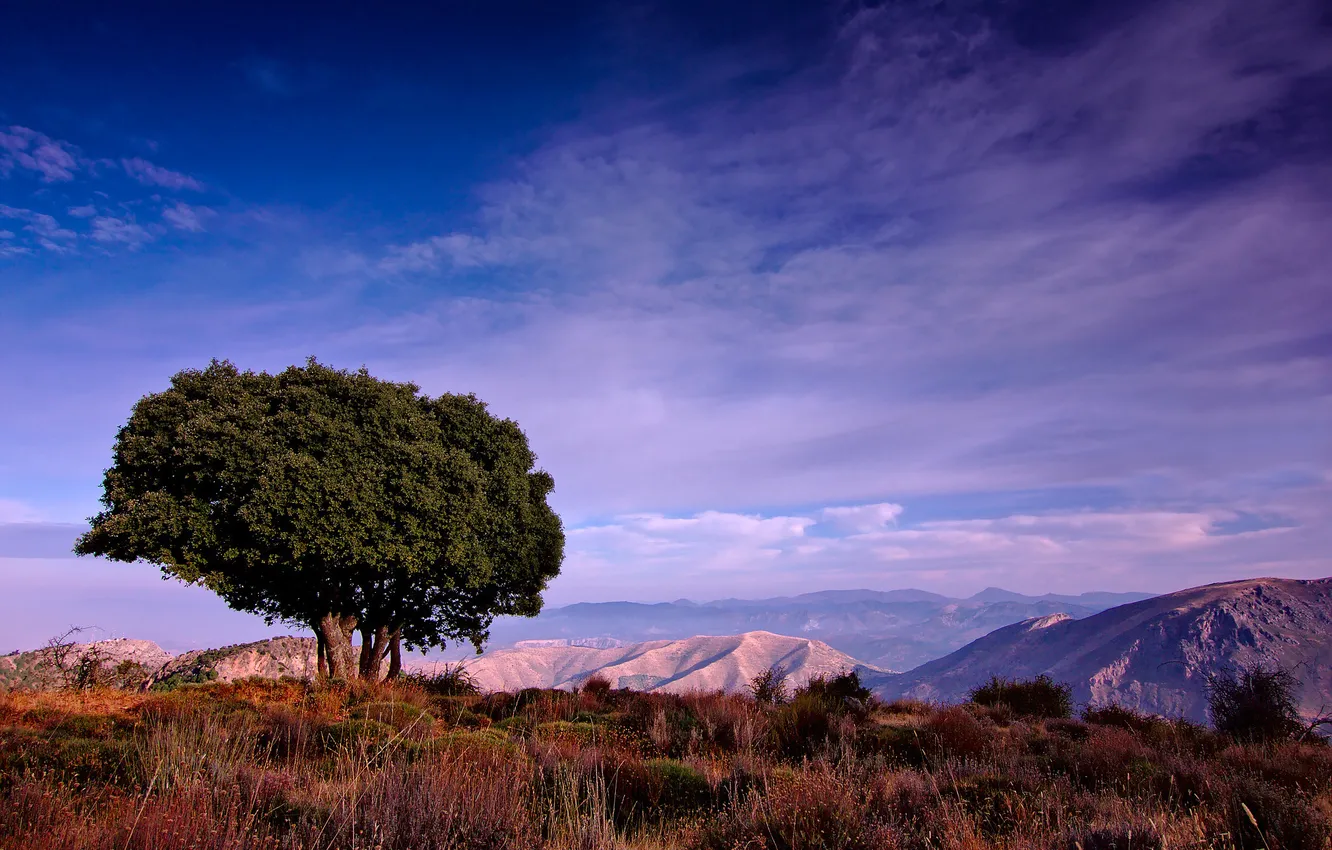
<point>337,501</point>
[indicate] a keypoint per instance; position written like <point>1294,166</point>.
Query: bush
<point>955,731</point>
<point>1256,703</point>
<point>597,685</point>
<point>657,789</point>
<point>449,680</point>
<point>842,691</point>
<point>1265,816</point>
<point>350,733</point>
<point>769,687</point>
<point>1119,716</point>
<point>801,728</point>
<point>1039,697</point>
<point>817,809</point>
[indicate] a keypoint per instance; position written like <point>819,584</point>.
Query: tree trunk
<point>321,654</point>
<point>367,650</point>
<point>395,655</point>
<point>339,653</point>
<point>374,646</point>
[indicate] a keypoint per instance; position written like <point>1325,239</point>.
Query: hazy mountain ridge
<point>895,629</point>
<point>1153,654</point>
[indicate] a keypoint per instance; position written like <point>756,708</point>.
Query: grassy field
<point>264,764</point>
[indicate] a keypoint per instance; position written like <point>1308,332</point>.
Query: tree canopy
<point>335,500</point>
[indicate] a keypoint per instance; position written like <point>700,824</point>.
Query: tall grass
<point>290,766</point>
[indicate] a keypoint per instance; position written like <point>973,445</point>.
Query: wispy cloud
<point>185,217</point>
<point>155,175</point>
<point>1157,550</point>
<point>938,308</point>
<point>44,229</point>
<point>25,149</point>
<point>109,229</point>
<point>953,269</point>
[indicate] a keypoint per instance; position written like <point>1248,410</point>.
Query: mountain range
<point>1155,654</point>
<point>706,663</point>
<point>892,630</point>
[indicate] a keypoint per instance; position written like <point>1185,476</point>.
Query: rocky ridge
<point>1154,655</point>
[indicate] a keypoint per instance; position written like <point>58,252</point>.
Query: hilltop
<point>703,663</point>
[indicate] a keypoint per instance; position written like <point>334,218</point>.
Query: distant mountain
<point>698,663</point>
<point>1093,599</point>
<point>894,629</point>
<point>1153,654</point>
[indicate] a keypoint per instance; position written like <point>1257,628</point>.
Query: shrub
<point>1120,716</point>
<point>448,680</point>
<point>657,789</point>
<point>1255,703</point>
<point>1265,816</point>
<point>955,731</point>
<point>813,809</point>
<point>769,687</point>
<point>439,803</point>
<point>597,685</point>
<point>1039,697</point>
<point>800,728</point>
<point>350,733</point>
<point>839,692</point>
<point>399,715</point>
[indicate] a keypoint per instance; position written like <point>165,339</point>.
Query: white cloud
<point>863,518</point>
<point>459,250</point>
<point>1152,550</point>
<point>185,217</point>
<point>44,230</point>
<point>109,229</point>
<point>24,149</point>
<point>85,211</point>
<point>155,175</point>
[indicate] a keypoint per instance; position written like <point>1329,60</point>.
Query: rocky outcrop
<point>121,661</point>
<point>274,658</point>
<point>1154,655</point>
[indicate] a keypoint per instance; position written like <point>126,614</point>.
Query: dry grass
<point>262,764</point>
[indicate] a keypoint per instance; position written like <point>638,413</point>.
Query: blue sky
<point>787,297</point>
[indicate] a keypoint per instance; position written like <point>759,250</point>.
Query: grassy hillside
<point>283,764</point>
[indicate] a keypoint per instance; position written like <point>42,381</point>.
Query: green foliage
<point>334,500</point>
<point>399,715</point>
<point>659,788</point>
<point>1039,697</point>
<point>842,691</point>
<point>350,733</point>
<point>198,676</point>
<point>1255,703</point>
<point>769,687</point>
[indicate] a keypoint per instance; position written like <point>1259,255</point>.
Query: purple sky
<point>926,300</point>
